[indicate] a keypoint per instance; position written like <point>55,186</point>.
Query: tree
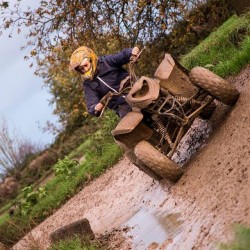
<point>56,22</point>
<point>57,27</point>
<point>14,150</point>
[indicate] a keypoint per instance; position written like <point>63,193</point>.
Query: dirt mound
<point>195,213</point>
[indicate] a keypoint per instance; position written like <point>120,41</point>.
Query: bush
<point>8,188</point>
<point>45,160</point>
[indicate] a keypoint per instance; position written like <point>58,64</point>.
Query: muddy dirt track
<point>197,212</point>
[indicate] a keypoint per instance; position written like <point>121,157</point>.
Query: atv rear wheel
<point>214,85</point>
<point>158,162</point>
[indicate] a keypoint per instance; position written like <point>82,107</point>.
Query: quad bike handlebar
<point>106,99</point>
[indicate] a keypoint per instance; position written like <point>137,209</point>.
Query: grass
<point>241,240</point>
<point>65,186</point>
<point>76,243</point>
<point>4,218</point>
<point>78,152</point>
<point>5,207</point>
<point>100,152</point>
<point>225,51</point>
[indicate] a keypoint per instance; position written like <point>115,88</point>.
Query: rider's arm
<point>120,58</point>
<point>91,98</point>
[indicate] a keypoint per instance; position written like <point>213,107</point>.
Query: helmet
<point>77,57</point>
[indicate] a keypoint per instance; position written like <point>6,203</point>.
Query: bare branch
<point>14,149</point>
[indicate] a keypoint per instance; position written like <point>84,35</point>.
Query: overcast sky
<point>23,101</point>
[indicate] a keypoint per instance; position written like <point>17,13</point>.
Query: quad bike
<point>163,109</point>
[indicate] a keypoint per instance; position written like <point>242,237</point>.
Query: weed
<point>77,243</point>
<point>30,198</point>
<point>65,167</point>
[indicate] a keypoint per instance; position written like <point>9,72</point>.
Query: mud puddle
<point>150,229</point>
<point>154,228</point>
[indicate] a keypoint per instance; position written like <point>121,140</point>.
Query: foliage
<point>80,151</point>
<point>72,137</point>
<point>226,51</point>
<point>55,28</point>
<point>65,166</point>
<point>71,22</point>
<point>108,121</point>
<point>30,198</point>
<point>239,6</point>
<point>241,241</point>
<point>76,243</point>
<point>66,142</point>
<point>99,156</point>
<point>199,23</point>
<point>4,217</point>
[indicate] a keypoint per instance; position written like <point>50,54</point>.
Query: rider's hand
<point>99,107</point>
<point>135,51</point>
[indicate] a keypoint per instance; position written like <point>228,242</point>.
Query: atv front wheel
<point>158,162</point>
<point>131,156</point>
<point>214,85</point>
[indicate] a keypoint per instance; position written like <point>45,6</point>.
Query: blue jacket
<point>109,69</point>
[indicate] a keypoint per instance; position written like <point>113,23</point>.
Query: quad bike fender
<point>165,68</point>
<point>174,78</point>
<point>128,123</point>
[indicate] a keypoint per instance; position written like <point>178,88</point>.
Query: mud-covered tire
<point>131,156</point>
<point>158,162</point>
<point>214,85</point>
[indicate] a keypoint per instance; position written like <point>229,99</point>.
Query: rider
<point>101,75</point>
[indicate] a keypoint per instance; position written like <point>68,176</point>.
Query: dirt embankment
<point>195,213</point>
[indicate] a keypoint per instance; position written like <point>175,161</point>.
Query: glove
<point>135,51</point>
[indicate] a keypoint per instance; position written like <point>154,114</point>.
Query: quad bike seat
<point>143,92</point>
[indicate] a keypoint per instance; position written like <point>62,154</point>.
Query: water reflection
<point>147,227</point>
